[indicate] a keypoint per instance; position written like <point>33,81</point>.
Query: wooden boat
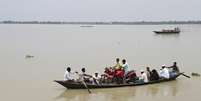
<point>87,26</point>
<point>78,85</point>
<point>174,31</point>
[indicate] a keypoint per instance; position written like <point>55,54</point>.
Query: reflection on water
<point>120,94</point>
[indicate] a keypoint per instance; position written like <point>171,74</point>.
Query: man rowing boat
<point>174,69</point>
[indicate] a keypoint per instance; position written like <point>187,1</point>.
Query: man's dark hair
<point>68,69</point>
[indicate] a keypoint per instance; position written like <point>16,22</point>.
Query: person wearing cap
<point>164,72</point>
<point>96,78</point>
<point>143,77</point>
<point>68,75</point>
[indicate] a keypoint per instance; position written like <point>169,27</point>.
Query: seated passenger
<point>118,76</point>
<point>68,75</point>
<point>143,77</point>
<point>109,73</point>
<point>84,76</point>
<point>96,78</point>
<point>108,76</point>
<point>154,75</point>
<point>148,72</point>
<point>164,72</point>
<point>131,76</point>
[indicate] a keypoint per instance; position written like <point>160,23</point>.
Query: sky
<point>100,10</point>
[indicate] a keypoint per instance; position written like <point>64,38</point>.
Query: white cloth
<point>96,79</point>
<point>164,73</point>
<point>68,76</point>
<point>125,67</point>
<point>144,77</point>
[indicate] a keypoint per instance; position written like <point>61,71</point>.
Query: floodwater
<point>55,47</point>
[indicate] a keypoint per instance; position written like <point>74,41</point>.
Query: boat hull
<point>162,32</point>
<point>77,85</point>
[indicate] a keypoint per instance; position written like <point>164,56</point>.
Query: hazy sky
<point>100,10</point>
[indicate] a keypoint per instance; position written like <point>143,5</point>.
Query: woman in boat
<point>119,75</point>
<point>131,76</point>
<point>108,76</point>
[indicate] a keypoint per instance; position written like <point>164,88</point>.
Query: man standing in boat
<point>125,66</point>
<point>118,65</point>
<point>118,73</point>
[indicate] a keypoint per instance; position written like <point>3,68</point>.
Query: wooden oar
<point>86,86</point>
<point>185,75</point>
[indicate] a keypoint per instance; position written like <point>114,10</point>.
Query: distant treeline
<point>103,23</point>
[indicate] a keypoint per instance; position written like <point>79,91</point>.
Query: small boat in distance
<point>168,31</point>
<point>87,26</point>
<point>29,56</point>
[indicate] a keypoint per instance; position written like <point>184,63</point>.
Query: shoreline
<point>104,23</point>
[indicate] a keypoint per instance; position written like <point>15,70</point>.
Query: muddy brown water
<point>55,47</point>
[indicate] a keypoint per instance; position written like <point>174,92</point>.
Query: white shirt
<point>165,73</point>
<point>68,76</point>
<point>144,77</point>
<point>97,78</point>
<point>125,67</point>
